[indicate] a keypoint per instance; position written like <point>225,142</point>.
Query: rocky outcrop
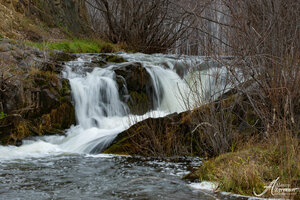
<point>134,82</point>
<point>43,20</point>
<point>71,14</point>
<point>136,88</point>
<point>205,131</point>
<point>34,97</point>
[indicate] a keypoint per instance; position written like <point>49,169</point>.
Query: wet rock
<point>60,56</point>
<point>181,134</point>
<point>135,87</point>
<point>112,58</point>
<point>8,126</point>
<point>208,65</point>
<point>98,61</point>
<point>19,142</point>
<point>36,99</point>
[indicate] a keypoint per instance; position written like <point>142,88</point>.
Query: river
<point>68,167</point>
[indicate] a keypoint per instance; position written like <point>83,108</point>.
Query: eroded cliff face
<point>70,14</point>
<point>43,20</point>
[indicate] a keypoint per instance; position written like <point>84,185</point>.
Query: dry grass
<point>253,166</point>
<point>15,25</point>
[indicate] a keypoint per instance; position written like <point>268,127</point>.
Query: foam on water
<point>100,113</point>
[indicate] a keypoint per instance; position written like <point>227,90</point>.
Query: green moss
<point>119,147</point>
<point>22,130</point>
<point>140,102</point>
<point>251,117</point>
<point>100,63</point>
<point>113,58</point>
<point>76,46</point>
<point>66,89</point>
<point>2,115</point>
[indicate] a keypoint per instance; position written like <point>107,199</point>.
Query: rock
<point>8,126</point>
<point>208,65</point>
<point>186,133</point>
<point>134,80</point>
<point>99,61</point>
<point>71,14</point>
<point>7,57</point>
<point>19,142</point>
<point>4,47</point>
<point>33,94</point>
<point>61,56</point>
<point>155,137</point>
<point>112,58</point>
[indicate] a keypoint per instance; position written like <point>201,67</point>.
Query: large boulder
<point>208,130</point>
<point>135,87</point>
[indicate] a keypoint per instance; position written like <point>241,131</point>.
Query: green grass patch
<point>77,46</point>
<point>251,169</point>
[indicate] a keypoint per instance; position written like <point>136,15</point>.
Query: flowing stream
<point>66,167</point>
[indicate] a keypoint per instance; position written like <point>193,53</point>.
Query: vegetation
<point>261,132</point>
<point>77,46</point>
<point>251,168</point>
<point>262,37</point>
<point>247,143</point>
<point>144,26</point>
<point>2,115</point>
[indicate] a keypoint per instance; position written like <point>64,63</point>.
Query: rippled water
<point>99,177</point>
<point>92,177</point>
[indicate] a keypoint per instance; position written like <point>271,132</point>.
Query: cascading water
<point>70,166</point>
<point>100,112</point>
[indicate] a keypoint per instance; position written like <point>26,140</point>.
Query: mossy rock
<point>119,146</point>
<point>154,137</point>
<point>139,103</point>
<point>13,127</point>
<point>61,56</point>
<point>100,63</point>
<point>134,81</point>
<point>66,88</point>
<point>112,58</point>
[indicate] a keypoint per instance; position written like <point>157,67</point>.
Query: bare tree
<point>146,26</point>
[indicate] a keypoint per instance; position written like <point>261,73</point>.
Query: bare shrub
<point>145,26</point>
<point>262,39</point>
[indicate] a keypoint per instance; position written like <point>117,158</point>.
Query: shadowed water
<point>98,177</point>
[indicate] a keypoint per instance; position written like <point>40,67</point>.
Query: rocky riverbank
<point>34,98</point>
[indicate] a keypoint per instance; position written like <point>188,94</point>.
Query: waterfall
<point>96,96</point>
<point>100,112</point>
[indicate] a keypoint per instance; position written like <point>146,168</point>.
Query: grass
<point>77,46</point>
<point>253,167</point>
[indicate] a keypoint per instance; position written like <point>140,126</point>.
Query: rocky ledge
<point>35,99</point>
<point>206,131</point>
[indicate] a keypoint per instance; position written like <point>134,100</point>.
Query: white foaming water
<point>170,86</point>
<point>100,113</point>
